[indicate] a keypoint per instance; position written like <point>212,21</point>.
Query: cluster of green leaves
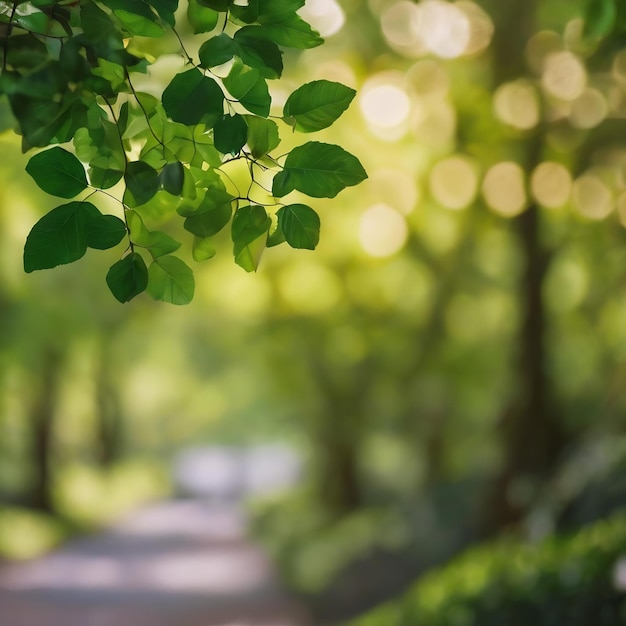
<point>67,76</point>
<point>562,580</point>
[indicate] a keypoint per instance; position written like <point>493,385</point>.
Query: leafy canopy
<point>68,74</point>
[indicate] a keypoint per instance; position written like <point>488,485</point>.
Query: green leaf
<point>212,215</point>
<point>136,16</point>
<point>114,73</point>
<point>156,242</point>
<point>260,54</point>
<point>216,5</point>
<point>59,237</point>
<point>128,278</point>
<point>203,249</point>
<point>104,232</point>
<point>104,179</point>
<point>217,50</point>
<point>276,238</point>
<point>249,234</point>
<point>291,32</point>
<point>300,225</point>
<point>142,182</point>
<point>191,98</point>
<point>58,172</point>
<point>317,105</point>
<point>171,280</point>
<point>165,9</point>
<point>320,170</point>
<point>262,135</point>
<point>278,10</point>
<point>249,87</point>
<point>230,133</point>
<point>172,177</point>
<point>26,51</point>
<point>202,19</point>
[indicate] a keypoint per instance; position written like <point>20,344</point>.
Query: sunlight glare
<point>503,188</point>
<point>453,182</point>
<point>382,231</point>
<point>551,184</point>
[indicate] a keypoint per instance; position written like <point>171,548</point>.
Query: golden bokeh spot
<point>540,46</point>
<point>383,231</point>
<point>503,188</point>
<point>589,110</point>
<point>428,78</point>
<point>592,197</point>
<point>395,187</point>
<point>443,28</point>
<point>385,106</point>
<point>454,182</point>
<point>564,76</point>
<point>517,104</point>
<point>436,126</point>
<point>481,27</point>
<point>551,184</point>
<point>326,16</point>
<point>399,23</point>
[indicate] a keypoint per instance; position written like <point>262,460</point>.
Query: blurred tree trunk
<point>339,436</point>
<point>531,431</point>
<point>42,429</point>
<point>109,431</point>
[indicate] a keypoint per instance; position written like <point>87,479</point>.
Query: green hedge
<point>562,581</point>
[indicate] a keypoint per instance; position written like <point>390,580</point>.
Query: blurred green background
<point>448,365</point>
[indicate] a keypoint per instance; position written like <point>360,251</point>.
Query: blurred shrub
<point>578,580</point>
<point>26,534</point>
<point>310,546</point>
<point>89,496</point>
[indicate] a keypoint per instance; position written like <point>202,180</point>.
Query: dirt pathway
<point>178,563</point>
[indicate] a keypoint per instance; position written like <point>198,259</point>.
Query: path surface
<point>178,563</point>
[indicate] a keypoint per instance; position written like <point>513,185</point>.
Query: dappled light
<point>319,332</point>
